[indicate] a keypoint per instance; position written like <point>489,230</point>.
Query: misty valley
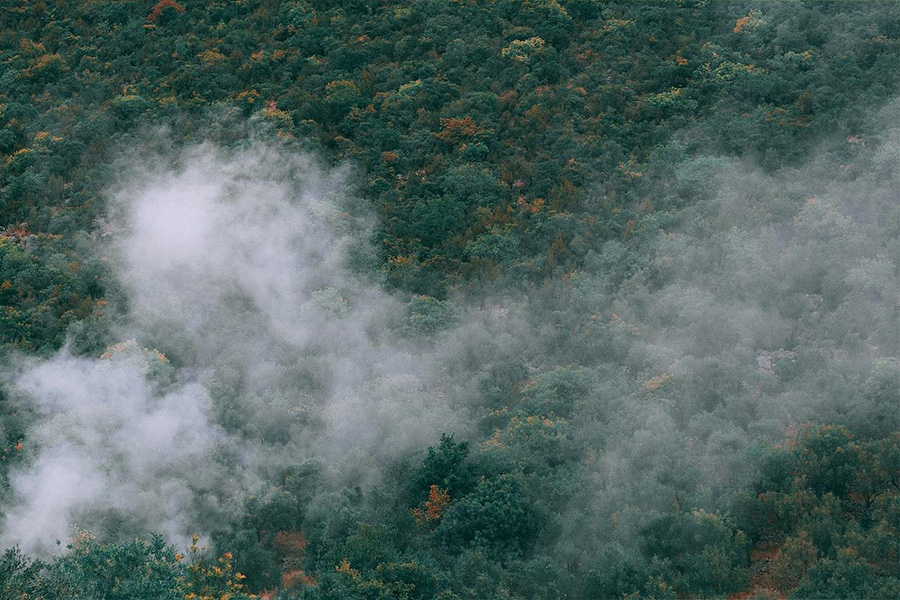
<point>521,299</point>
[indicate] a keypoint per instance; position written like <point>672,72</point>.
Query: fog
<point>258,337</point>
<point>238,266</point>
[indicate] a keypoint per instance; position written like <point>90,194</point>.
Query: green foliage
<point>497,246</point>
<point>20,576</point>
<point>589,159</point>
<point>845,577</point>
<point>116,571</point>
<point>832,501</point>
<point>496,517</point>
<point>407,580</point>
<point>427,316</point>
<point>137,569</point>
<point>704,553</point>
<point>38,299</point>
<point>448,467</point>
<point>522,104</point>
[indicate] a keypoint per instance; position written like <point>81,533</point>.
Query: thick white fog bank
<point>237,265</point>
<point>109,441</point>
<point>266,226</point>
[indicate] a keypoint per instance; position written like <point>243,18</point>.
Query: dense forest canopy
<point>449,299</point>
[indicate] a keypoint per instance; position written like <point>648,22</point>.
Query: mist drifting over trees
<point>521,299</point>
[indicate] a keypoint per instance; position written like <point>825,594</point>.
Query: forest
<point>449,299</point>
